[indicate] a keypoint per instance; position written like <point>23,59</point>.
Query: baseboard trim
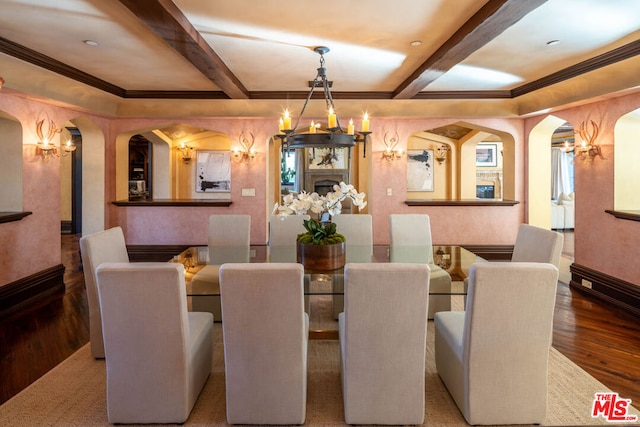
<point>607,288</point>
<point>491,252</point>
<point>154,253</point>
<point>28,290</point>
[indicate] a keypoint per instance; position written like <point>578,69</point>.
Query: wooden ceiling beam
<point>489,22</point>
<point>166,20</point>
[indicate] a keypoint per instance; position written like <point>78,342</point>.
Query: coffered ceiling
<point>255,57</point>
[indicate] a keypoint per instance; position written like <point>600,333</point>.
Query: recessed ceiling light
<point>90,42</point>
<point>416,43</point>
<point>552,42</point>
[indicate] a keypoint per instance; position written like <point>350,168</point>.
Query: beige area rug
<point>73,393</point>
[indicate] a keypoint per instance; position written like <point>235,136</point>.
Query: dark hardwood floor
<point>604,340</point>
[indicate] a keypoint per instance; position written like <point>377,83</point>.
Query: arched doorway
<point>539,171</point>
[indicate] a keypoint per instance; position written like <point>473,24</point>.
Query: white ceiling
<point>266,47</point>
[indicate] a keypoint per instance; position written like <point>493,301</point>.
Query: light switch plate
<point>249,192</point>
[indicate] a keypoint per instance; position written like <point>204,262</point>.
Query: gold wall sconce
<point>390,153</point>
<point>441,153</point>
<point>1,82</point>
<point>45,147</point>
<point>588,148</point>
<point>245,152</point>
<point>68,147</point>
<point>185,152</point>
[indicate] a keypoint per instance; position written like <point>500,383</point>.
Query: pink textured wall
<point>493,225</point>
<point>602,242</point>
<point>33,243</point>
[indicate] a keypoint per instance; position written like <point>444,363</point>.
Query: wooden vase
<point>321,257</point>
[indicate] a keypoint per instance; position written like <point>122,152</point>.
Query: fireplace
<point>489,184</point>
<point>322,181</point>
<point>485,191</point>
<point>322,187</point>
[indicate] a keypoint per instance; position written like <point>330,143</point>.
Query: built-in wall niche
<point>11,150</point>
<point>140,153</point>
<point>474,163</point>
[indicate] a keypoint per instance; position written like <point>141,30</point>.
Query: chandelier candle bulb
<point>312,128</point>
<point>286,123</point>
<point>350,127</point>
<point>333,121</point>
<point>365,123</point>
<point>280,125</point>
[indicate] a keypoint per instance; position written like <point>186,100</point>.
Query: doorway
<point>71,185</point>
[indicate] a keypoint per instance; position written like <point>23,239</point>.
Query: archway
<point>93,175</point>
<point>539,171</point>
<point>10,164</point>
<point>461,174</point>
<point>626,170</point>
<point>173,177</point>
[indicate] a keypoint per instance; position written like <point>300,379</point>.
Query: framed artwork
<point>213,171</point>
<point>487,155</point>
<point>419,170</point>
<point>327,158</point>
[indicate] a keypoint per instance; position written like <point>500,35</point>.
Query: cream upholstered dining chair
<point>358,232</point>
<point>265,332</point>
<point>158,354</point>
<point>96,248</point>
<point>383,332</point>
<point>283,229</point>
<point>493,358</point>
<point>534,244</point>
<point>228,241</point>
<point>410,241</point>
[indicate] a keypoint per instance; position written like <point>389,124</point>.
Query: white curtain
<point>560,181</point>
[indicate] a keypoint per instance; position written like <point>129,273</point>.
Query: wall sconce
<point>185,152</point>
<point>588,149</point>
<point>246,152</point>
<point>1,82</point>
<point>390,153</point>
<point>45,147</point>
<point>442,259</point>
<point>441,153</point>
<point>68,147</point>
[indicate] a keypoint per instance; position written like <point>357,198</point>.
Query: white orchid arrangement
<point>302,203</point>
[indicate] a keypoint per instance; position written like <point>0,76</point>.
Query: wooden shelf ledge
<point>12,216</point>
<point>629,215</point>
<point>461,202</point>
<point>173,202</point>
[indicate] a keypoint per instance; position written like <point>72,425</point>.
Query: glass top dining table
<point>324,290</point>
<point>454,260</point>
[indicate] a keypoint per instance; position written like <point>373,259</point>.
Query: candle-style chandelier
<point>315,136</point>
